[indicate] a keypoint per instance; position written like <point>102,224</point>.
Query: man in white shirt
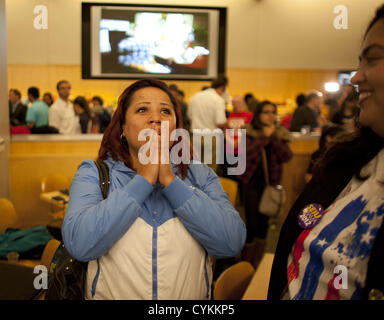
<point>61,113</point>
<point>207,111</point>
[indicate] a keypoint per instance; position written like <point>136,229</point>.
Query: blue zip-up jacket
<point>146,242</point>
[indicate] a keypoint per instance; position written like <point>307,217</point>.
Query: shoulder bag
<point>273,197</point>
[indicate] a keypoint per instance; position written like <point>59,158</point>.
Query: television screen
<point>138,41</point>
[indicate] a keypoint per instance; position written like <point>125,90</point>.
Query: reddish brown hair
<point>112,145</point>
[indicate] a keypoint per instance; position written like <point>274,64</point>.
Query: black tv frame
<point>86,40</point>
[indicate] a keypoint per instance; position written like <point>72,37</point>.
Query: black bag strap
<point>67,275</point>
<point>265,165</point>
<point>103,169</point>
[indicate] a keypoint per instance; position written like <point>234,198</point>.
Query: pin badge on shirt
<point>310,216</point>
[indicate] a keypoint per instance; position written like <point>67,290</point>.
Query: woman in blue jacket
<point>153,236</point>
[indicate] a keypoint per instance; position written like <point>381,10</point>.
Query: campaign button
<point>310,215</point>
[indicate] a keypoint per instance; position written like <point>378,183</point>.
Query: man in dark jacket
<point>307,115</point>
<point>17,110</point>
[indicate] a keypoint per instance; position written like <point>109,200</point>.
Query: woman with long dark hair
<point>153,236</point>
<point>331,245</point>
<point>81,107</point>
<point>263,133</point>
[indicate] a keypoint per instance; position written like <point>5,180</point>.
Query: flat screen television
<point>131,41</point>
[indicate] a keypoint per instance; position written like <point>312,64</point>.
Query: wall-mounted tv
<point>131,41</point>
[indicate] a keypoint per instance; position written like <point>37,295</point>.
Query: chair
<point>258,287</point>
<point>46,259</point>
<point>55,181</point>
<point>229,187</point>
<point>49,251</point>
<point>233,282</point>
<point>8,217</point>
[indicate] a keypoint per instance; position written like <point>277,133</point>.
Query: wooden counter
<point>35,156</point>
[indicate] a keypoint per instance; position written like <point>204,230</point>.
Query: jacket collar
<point>375,167</point>
<point>280,133</point>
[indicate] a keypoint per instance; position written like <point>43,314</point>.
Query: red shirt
<point>236,120</point>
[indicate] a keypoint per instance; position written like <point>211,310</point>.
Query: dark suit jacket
<point>304,116</point>
<point>323,193</point>
<point>17,118</point>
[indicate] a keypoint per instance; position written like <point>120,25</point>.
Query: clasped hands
<point>158,168</point>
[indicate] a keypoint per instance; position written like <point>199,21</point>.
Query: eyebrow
<point>148,102</point>
<point>368,49</point>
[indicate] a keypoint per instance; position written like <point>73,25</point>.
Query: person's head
<point>181,94</point>
<point>145,104</point>
<point>47,98</point>
<point>80,104</point>
<point>248,97</point>
<point>370,76</point>
<point>14,95</point>
<point>367,140</point>
<point>329,134</point>
<point>252,104</point>
<point>351,101</point>
<point>33,93</point>
<point>347,88</point>
<point>332,104</point>
<point>265,114</point>
<point>314,100</point>
<point>219,84</point>
<point>175,91</point>
<point>301,99</point>
<point>97,101</point>
<point>223,77</point>
<point>238,104</point>
<point>64,89</point>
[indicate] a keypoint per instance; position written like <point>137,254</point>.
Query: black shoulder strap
<point>104,177</point>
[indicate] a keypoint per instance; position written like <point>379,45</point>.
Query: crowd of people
<point>82,115</point>
<point>36,115</point>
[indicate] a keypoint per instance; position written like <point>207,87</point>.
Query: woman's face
<point>77,108</point>
<point>148,108</point>
<point>268,115</point>
<point>96,103</point>
<point>47,100</point>
<point>370,79</point>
